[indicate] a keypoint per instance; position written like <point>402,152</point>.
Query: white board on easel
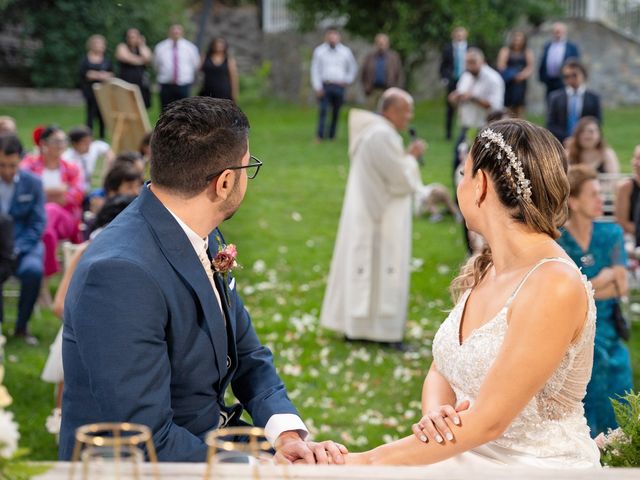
<point>123,112</point>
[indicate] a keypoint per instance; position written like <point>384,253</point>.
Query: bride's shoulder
<point>555,277</point>
<point>555,287</point>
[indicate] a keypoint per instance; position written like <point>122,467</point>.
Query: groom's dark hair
<point>195,138</point>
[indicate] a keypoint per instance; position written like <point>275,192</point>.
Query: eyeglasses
<point>566,76</point>
<point>252,169</point>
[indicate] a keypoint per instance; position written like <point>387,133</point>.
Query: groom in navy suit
<point>22,200</point>
<point>152,334</point>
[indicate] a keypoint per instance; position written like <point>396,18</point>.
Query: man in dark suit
<point>573,102</point>
<point>555,53</point>
<point>22,199</point>
<point>7,256</point>
<point>452,66</point>
<point>152,334</point>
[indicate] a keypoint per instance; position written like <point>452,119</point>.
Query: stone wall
<point>612,59</point>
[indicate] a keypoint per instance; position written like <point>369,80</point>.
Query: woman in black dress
<point>515,64</point>
<point>133,56</point>
<point>220,72</point>
<point>95,67</point>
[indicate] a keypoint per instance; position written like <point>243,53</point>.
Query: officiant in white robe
<point>368,286</point>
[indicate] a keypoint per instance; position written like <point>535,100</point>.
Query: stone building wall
<point>612,59</point>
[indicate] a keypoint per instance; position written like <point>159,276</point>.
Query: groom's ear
<point>222,186</point>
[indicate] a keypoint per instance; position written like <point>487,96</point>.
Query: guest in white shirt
<point>333,67</point>
<point>176,61</point>
<point>479,92</point>
<point>85,152</point>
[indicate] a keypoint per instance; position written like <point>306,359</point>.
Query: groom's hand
<point>290,448</point>
<point>433,425</point>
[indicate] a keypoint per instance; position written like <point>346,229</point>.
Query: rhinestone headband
<point>521,183</point>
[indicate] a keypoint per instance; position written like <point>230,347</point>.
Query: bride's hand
<point>433,425</point>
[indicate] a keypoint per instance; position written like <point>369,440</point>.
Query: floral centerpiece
<point>621,447</point>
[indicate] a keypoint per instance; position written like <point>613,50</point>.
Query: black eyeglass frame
<point>256,163</point>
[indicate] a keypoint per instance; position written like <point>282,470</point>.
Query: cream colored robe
<point>368,286</point>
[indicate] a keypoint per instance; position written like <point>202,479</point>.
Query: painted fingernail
<point>449,436</point>
<point>456,420</point>
<point>439,439</point>
<point>423,438</point>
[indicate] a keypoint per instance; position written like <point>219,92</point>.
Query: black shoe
<point>27,338</point>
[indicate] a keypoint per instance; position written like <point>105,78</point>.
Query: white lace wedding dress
<point>551,431</point>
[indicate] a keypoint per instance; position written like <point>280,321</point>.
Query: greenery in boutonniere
<point>621,447</point>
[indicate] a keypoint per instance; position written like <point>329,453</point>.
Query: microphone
<point>413,135</point>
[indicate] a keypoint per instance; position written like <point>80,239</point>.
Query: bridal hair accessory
<point>522,184</point>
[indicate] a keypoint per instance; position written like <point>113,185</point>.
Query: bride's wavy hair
<point>544,164</point>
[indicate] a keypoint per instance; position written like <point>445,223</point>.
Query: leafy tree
<point>62,28</point>
<point>413,25</point>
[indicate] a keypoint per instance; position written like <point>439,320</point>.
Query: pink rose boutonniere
<point>224,262</point>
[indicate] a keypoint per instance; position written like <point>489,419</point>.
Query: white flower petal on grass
<point>389,438</point>
<point>443,269</point>
<point>282,249</point>
<point>296,217</point>
<point>9,435</point>
<point>277,317</point>
<point>259,266</point>
<point>316,268</point>
<point>292,370</point>
<point>310,243</point>
<point>248,290</point>
<point>416,264</point>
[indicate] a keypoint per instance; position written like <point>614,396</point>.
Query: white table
<point>195,471</point>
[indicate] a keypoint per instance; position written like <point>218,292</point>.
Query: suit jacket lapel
<point>17,191</point>
<point>180,253</point>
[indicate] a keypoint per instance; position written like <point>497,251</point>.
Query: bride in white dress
<point>512,361</point>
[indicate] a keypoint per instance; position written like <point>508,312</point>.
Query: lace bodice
<point>552,424</point>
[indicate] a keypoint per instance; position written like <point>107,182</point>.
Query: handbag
<point>621,324</point>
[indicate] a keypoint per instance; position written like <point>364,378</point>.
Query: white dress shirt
<point>87,161</point>
<point>6,193</point>
<point>555,58</point>
<point>280,422</point>
<point>188,61</point>
<point>579,92</point>
<point>332,65</point>
<point>488,86</point>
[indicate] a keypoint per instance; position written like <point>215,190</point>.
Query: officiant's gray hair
<point>391,97</point>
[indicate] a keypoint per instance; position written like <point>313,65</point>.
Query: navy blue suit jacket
<point>27,212</point>
<point>557,111</point>
<point>144,340</point>
<point>571,51</point>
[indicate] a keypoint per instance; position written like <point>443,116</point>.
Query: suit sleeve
<point>597,108</point>
<point>316,74</point>
<point>554,125</point>
<point>542,68</point>
<point>31,235</point>
<point>119,320</point>
<point>255,382</point>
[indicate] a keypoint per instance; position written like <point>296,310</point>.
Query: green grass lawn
<point>361,395</point>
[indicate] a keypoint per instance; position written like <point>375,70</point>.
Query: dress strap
<point>533,269</point>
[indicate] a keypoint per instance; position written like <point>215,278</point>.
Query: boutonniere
<point>224,262</point>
